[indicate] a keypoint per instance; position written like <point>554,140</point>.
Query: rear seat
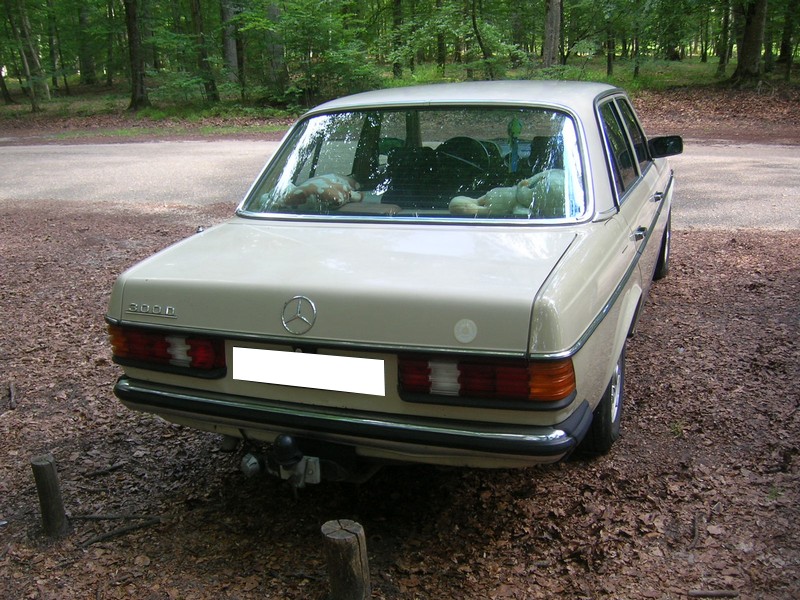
<point>412,177</point>
<point>546,153</point>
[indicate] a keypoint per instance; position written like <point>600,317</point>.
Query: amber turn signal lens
<point>552,380</point>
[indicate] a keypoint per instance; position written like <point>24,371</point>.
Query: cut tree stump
<point>54,517</point>
<point>348,564</point>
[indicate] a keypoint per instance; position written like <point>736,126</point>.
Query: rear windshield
<point>498,163</point>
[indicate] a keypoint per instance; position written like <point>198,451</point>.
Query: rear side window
<point>622,157</point>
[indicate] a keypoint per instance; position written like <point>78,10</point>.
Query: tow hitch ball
<point>285,460</point>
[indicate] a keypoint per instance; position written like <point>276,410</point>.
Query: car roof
<point>578,95</point>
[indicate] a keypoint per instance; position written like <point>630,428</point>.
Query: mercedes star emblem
<point>299,315</point>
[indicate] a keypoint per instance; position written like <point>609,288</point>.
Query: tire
<point>662,266</point>
<point>607,416</point>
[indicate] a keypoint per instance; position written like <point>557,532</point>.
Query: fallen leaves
<point>717,112</point>
<point>700,495</point>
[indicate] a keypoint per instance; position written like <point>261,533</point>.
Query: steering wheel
<point>466,151</point>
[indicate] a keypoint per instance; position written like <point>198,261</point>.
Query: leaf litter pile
<point>699,498</point>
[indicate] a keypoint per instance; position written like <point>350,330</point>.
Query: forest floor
<point>769,114</point>
<point>699,498</point>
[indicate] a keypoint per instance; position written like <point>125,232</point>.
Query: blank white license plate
<point>315,371</point>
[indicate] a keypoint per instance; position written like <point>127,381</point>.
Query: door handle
<point>639,234</point>
<point>657,197</point>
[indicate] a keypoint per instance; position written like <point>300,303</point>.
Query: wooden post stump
<point>348,564</point>
<point>54,517</point>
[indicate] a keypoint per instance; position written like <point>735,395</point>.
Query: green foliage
<point>677,429</point>
<point>295,53</point>
<point>422,74</point>
<point>326,58</point>
<point>201,112</point>
<point>176,87</point>
<point>774,493</point>
<point>346,71</point>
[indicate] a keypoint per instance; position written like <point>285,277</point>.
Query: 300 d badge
<point>155,310</point>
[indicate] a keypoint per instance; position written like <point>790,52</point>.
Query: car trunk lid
<point>434,286</point>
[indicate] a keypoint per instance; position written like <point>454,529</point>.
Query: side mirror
<point>668,145</point>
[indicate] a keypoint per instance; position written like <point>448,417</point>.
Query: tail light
<point>492,380</point>
<point>188,355</point>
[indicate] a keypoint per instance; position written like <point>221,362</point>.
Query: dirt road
<point>737,185</point>
<point>719,186</point>
<point>185,172</point>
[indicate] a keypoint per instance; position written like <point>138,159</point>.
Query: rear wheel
<point>662,266</point>
<point>606,419</point>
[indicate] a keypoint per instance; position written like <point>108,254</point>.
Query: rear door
<point>635,180</point>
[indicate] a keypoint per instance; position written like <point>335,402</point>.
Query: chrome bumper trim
<point>314,421</point>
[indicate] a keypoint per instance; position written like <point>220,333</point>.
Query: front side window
<point>637,136</point>
<point>488,163</point>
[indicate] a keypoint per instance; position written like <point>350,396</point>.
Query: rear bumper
<point>409,436</point>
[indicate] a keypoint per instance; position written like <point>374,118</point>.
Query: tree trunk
<point>786,34</point>
<point>705,37</point>
<point>4,89</point>
<point>441,46</point>
<point>749,65</point>
<point>552,33</point>
<point>345,546</point>
<point>485,52</point>
<point>85,55</point>
<point>397,36</point>
<point>56,51</point>
<point>637,32</point>
<point>278,75</point>
<point>769,56</point>
<point>786,53</point>
<point>52,41</point>
<point>18,36</point>
<point>203,63</point>
<point>48,488</point>
<point>150,51</point>
<point>110,44</point>
<point>31,47</point>
<point>230,55</point>
<point>788,75</point>
<point>183,58</point>
<point>724,42</point>
<point>139,97</point>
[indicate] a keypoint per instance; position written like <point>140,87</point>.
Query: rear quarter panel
<point>587,304</point>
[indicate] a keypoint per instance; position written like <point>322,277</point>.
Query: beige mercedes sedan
<point>443,274</point>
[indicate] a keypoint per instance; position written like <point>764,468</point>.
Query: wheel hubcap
<point>616,392</point>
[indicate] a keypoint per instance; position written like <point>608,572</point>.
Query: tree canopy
<point>296,52</point>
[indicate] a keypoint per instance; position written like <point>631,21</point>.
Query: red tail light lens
<point>200,356</point>
<point>414,376</point>
<point>206,353</point>
<point>539,381</point>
